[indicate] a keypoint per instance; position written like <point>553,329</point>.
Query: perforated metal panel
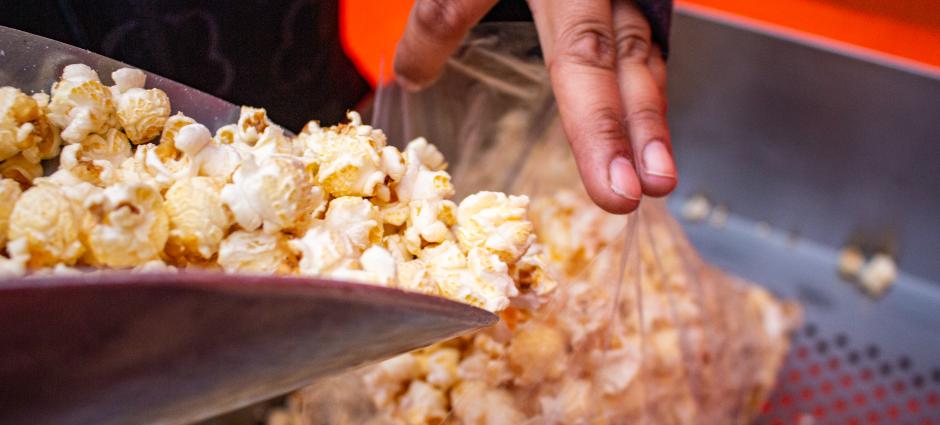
<point>835,378</point>
<point>827,149</point>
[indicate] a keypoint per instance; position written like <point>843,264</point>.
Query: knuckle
<point>645,113</point>
<point>633,44</point>
<point>586,42</point>
<point>440,18</point>
<point>606,125</point>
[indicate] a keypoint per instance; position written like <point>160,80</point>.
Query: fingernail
<point>623,179</point>
<point>657,161</point>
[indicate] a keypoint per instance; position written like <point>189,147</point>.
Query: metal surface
<point>173,348</point>
<point>32,63</point>
<point>811,150</point>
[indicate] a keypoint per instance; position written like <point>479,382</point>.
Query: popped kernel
<point>422,404</point>
<point>425,224</point>
<point>49,224</point>
<point>495,222</point>
<point>448,269</point>
<point>477,403</point>
<point>387,378</point>
<point>24,128</point>
<point>537,353</point>
<point>226,134</point>
<point>276,194</point>
<point>442,367</point>
<point>206,156</point>
<point>251,124</point>
<point>323,249</point>
<point>167,149</point>
<point>198,219</point>
<point>347,163</point>
<point>9,192</point>
<point>424,177</point>
<point>255,252</point>
<point>14,265</point>
<point>97,160</point>
<point>142,113</point>
<point>80,104</point>
<point>21,169</point>
<point>380,263</point>
<point>357,218</point>
<point>129,225</point>
<point>272,141</point>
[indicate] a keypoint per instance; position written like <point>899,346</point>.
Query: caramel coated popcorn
<point>139,189</point>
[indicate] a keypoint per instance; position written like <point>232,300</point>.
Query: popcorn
<point>126,79</point>
<point>207,157</point>
<point>251,124</point>
<point>80,104</point>
<point>48,224</point>
<point>357,219</point>
<point>380,263</point>
<point>423,404</point>
<point>255,252</point>
<point>561,353</point>
<point>276,194</point>
<point>346,159</point>
<point>495,222</point>
<point>21,169</point>
<point>9,192</point>
<point>387,378</point>
<point>878,275</point>
<point>323,249</point>
<point>129,225</point>
<point>334,202</point>
<point>15,263</point>
<point>97,159</point>
<point>141,113</point>
<point>198,219</point>
<point>428,223</point>
<point>226,134</point>
<point>537,353</point>
<point>442,367</point>
<point>449,271</point>
<point>24,128</point>
<point>167,149</point>
<point>424,177</point>
<point>271,142</point>
<point>851,262</point>
<point>476,403</point>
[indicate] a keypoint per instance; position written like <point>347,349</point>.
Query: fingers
<point>434,30</point>
<point>643,99</point>
<point>578,44</point>
<point>657,66</point>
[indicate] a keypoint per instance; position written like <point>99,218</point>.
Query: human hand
<point>608,77</point>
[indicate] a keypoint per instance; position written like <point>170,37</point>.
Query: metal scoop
<point>118,347</point>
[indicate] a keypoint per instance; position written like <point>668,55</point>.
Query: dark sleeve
<point>658,13</point>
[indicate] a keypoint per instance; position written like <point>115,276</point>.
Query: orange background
<point>906,29</point>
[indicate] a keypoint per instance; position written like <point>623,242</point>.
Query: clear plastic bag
<point>638,330</point>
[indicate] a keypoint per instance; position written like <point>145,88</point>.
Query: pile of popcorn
<point>137,188</point>
<point>678,343</point>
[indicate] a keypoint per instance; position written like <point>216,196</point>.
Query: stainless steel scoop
<point>118,347</point>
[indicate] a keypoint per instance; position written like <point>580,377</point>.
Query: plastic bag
<point>638,330</point>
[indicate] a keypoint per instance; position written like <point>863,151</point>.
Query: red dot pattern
<point>836,381</point>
